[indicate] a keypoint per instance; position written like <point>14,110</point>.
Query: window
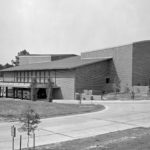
<point>27,76</point>
<point>107,80</point>
<point>19,76</point>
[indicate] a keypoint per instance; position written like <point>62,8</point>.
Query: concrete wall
<point>63,56</point>
<point>33,59</point>
<point>29,59</point>
<point>92,77</point>
<point>141,63</point>
<point>65,80</point>
<point>122,59</point>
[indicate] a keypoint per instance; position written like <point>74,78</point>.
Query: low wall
<point>141,89</point>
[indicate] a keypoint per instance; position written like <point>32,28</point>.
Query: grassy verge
<point>131,139</point>
<point>10,110</point>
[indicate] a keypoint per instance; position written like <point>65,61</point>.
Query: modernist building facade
<point>98,71</point>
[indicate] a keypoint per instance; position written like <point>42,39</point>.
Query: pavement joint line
<point>120,122</point>
<point>135,114</point>
<point>138,119</point>
<point>134,125</point>
<point>57,133</point>
<point>95,127</point>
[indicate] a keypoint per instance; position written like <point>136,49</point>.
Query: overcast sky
<point>70,26</point>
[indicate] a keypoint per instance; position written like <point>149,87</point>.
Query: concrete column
<point>32,93</point>
<point>16,93</point>
<point>0,92</point>
<point>6,92</point>
<point>21,93</point>
<point>13,92</point>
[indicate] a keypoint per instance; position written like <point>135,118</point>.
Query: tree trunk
<point>49,91</point>
<point>33,140</point>
<point>33,89</point>
<point>28,142</point>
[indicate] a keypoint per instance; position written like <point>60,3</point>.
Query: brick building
<point>98,70</point>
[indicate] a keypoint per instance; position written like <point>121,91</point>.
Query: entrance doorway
<point>41,94</point>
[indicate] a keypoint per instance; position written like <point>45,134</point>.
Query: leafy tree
<point>127,90</point>
<point>1,66</point>
<point>116,85</point>
<point>30,120</point>
<point>7,65</point>
<point>21,53</point>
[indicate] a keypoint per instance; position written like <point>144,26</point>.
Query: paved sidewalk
<point>119,115</point>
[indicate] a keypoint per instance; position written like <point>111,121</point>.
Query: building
<point>40,58</point>
<point>99,71</point>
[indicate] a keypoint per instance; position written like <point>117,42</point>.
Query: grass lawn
<point>11,109</point>
<point>131,139</point>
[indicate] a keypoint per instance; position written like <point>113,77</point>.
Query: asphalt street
<point>118,115</point>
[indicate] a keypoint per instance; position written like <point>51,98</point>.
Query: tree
<point>116,85</point>
<point>21,53</point>
<point>1,66</point>
<point>7,65</point>
<point>30,120</point>
<point>33,89</point>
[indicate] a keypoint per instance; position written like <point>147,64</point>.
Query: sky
<point>70,26</point>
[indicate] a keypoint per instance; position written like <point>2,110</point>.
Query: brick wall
<point>122,60</point>
<point>92,77</point>
<point>141,63</point>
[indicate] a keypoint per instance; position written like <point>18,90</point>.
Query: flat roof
<point>67,63</point>
<point>46,55</point>
<point>112,47</point>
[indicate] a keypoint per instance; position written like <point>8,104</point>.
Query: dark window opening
<point>107,80</point>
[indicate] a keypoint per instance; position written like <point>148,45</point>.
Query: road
<point>118,115</point>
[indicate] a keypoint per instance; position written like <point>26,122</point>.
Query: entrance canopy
<point>21,85</point>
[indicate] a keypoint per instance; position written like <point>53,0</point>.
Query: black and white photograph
<point>74,75</point>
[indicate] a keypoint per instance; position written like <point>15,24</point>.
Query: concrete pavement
<point>118,115</point>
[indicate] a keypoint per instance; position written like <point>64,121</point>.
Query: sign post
<point>34,141</point>
<point>20,142</point>
<point>13,134</point>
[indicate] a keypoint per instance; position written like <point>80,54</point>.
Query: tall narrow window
<point>28,76</point>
